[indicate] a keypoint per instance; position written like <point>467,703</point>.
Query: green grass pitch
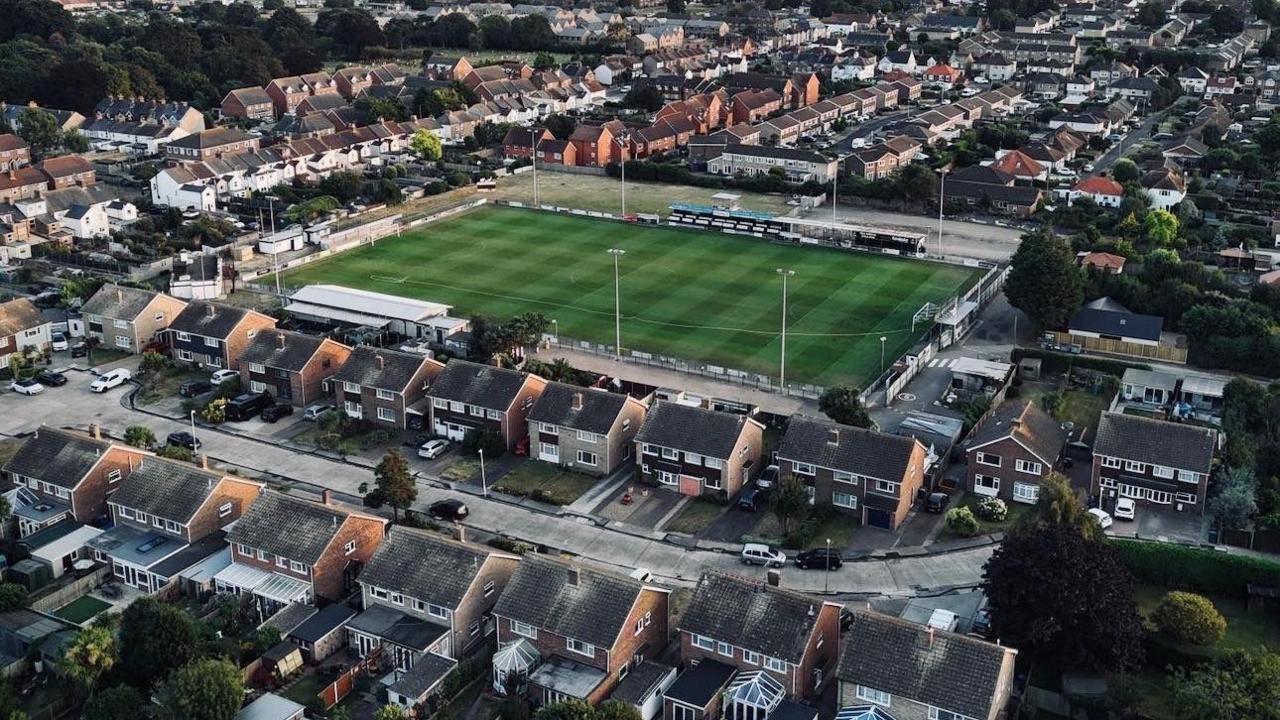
<point>698,295</point>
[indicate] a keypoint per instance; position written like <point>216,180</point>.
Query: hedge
<point>1056,362</point>
<point>1190,568</point>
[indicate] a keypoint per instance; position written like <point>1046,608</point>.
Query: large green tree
<point>395,481</point>
<point>1236,685</point>
<point>843,404</point>
<point>202,690</point>
<point>155,637</point>
<point>1044,281</point>
<point>90,655</point>
<point>118,703</point>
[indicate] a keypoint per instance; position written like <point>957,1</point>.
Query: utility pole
<point>537,140</point>
<point>622,141</point>
<point>617,305</point>
<point>782,369</point>
<point>942,194</point>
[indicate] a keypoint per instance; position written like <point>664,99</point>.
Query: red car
<point>522,446</point>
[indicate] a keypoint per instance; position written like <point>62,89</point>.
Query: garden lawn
<point>1245,630</point>
<point>686,294</point>
<point>82,609</point>
<point>557,485</point>
<point>695,517</point>
<point>985,527</point>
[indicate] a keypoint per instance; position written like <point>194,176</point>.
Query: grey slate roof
<point>752,614</point>
<point>856,450</point>
<point>699,684</point>
<point>942,669</point>
<point>172,490</point>
<point>118,301</point>
<point>692,429</point>
<point>540,593</point>
<point>637,685</point>
<point>427,672</point>
<point>288,527</point>
<point>281,349</point>
<point>1117,324</point>
<point>1025,422</point>
<point>57,456</point>
<point>1175,445</point>
<point>475,384</point>
<point>424,566</point>
<point>398,627</point>
<point>208,319</point>
<point>597,412</point>
<point>320,624</point>
<point>380,368</point>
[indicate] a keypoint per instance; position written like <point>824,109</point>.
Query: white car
<point>220,376</point>
<point>433,449</point>
<point>1126,509</point>
<point>26,387</point>
<point>108,380</point>
<point>760,554</point>
<point>60,342</point>
<point>315,411</point>
<point>1101,516</point>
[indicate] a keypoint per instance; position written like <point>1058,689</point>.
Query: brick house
<point>286,93</point>
<point>695,451</point>
<point>1152,461</point>
<point>161,514</point>
<point>68,171</point>
<point>210,144</point>
<point>214,335</point>
<point>584,429</point>
<point>14,152</point>
<point>425,578</point>
<point>126,318</point>
<point>285,549</point>
<point>351,82</point>
<point>70,475</point>
<point>918,672</point>
<point>567,631</point>
<point>470,396</point>
<point>292,366</point>
<point>1012,450</point>
<point>592,143</point>
<point>248,103</point>
<point>384,385</point>
<point>754,625</point>
<point>23,329</point>
<point>519,142</point>
<point>870,475</point>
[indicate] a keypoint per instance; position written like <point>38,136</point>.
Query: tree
<point>92,653</point>
<point>1237,685</point>
<point>961,521</point>
<point>573,709</point>
<point>843,404</point>
<point>616,710</point>
<point>118,703</point>
<point>175,452</point>
<point>675,6</point>
<point>644,96</point>
<point>560,125</point>
<point>394,481</point>
<point>1151,13</point>
<point>1044,281</point>
<point>1124,171</point>
<point>1189,618</point>
<point>389,712</point>
<point>139,436</point>
<point>40,129</point>
<point>426,145</point>
<point>790,502</point>
<point>202,690</point>
<point>372,110</point>
<point>1226,20</point>
<point>155,637</point>
<point>1061,597</point>
<point>344,186</point>
<point>489,441</point>
<point>544,61</point>
<point>12,596</point>
<point>1234,500</point>
<point>1059,505</point>
<point>1161,227</point>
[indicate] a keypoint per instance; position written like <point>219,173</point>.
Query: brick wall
<point>207,519</point>
<point>89,499</point>
<point>334,570</point>
<point>239,338</point>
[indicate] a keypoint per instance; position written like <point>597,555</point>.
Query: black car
<point>275,412</point>
<point>819,559</point>
<point>246,406</point>
<point>49,378</point>
<point>454,510</point>
<point>936,503</point>
<point>982,623</point>
<point>184,439</point>
<point>194,388</point>
<point>79,350</point>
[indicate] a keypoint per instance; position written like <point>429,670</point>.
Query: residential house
<point>695,451</point>
<point>14,152</point>
<point>584,429</point>
<point>469,397</point>
<point>213,335</point>
<point>1165,187</point>
<point>798,165</point>
<point>1154,462</point>
<point>291,366</point>
<point>1103,262</point>
<point>755,625</point>
<point>1149,387</point>
<point>127,318</point>
<point>248,103</point>
<point>1012,450</point>
<point>1021,166</point>
<point>994,67</point>
<point>1102,190</point>
<point>1193,81</point>
<point>384,385</point>
<point>210,145</point>
<point>986,186</point>
<point>23,329</point>
<point>872,476</point>
<point>567,631</point>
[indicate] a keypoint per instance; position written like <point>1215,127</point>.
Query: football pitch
<point>695,295</point>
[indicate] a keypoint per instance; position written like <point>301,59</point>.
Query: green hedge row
<point>1189,568</point>
<point>1057,362</point>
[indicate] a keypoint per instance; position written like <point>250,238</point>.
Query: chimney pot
<point>833,436</point>
<point>381,362</point>
<point>774,578</point>
<point>326,496</point>
<point>575,576</point>
<point>204,461</point>
<point>577,400</point>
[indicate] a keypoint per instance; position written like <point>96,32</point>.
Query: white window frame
<point>1111,462</point>
<point>844,476</point>
<point>183,337</point>
<point>257,367</point>
<point>211,341</point>
<point>1161,471</point>
<point>872,695</point>
<point>382,394</point>
<point>579,647</point>
<point>851,503</point>
<point>386,414</point>
<point>888,487</point>
<point>583,461</point>
<point>297,567</point>
<point>668,478</point>
<point>1026,492</point>
<point>1188,476</point>
<point>670,454</point>
<point>349,548</point>
<point>702,642</point>
<point>348,386</point>
<point>1187,498</point>
<point>751,658</point>
<point>489,587</point>
<point>257,387</point>
<point>437,611</point>
<point>985,458</point>
<point>713,463</point>
<point>800,468</point>
<point>1134,466</point>
<point>588,437</point>
<point>774,664</point>
<point>724,648</point>
<point>1028,467</point>
<point>524,630</point>
<point>440,403</point>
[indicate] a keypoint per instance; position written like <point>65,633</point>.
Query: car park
<point>194,388</point>
<point>222,376</point>
<point>819,559</point>
<point>761,554</point>
<point>313,412</point>
<point>60,342</point>
<point>272,413</point>
<point>1101,516</point>
<point>184,439</point>
<point>30,386</point>
<point>454,510</point>
<point>50,378</point>
<point>1126,509</point>
<point>110,379</point>
<point>433,449</point>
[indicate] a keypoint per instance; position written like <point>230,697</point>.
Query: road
<point>1117,151</point>
<point>610,545</point>
<point>844,145</point>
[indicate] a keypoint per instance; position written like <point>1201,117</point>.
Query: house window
<point>987,482</point>
<point>257,387</point>
<point>844,500</point>
<point>224,509</point>
<point>580,647</point>
<point>524,630</point>
<point>802,468</point>
<point>548,428</point>
<point>669,454</point>
<point>262,555</point>
<point>1107,482</point>
<point>351,387</point>
<point>642,623</point>
<point>588,437</point>
<point>113,476</point>
<point>126,513</point>
<point>702,642</point>
<point>886,486</point>
<point>211,341</point>
<point>124,342</point>
<point>586,458</point>
<point>988,459</point>
<point>385,394</point>
<point>386,414</point>
<point>1161,471</point>
<point>666,478</point>
<point>493,414</point>
<point>349,548</point>
<point>474,628</point>
<point>257,367</point>
<point>1031,468</point>
<point>476,410</point>
<point>184,355</point>
<point>489,588</point>
<point>352,408</point>
<point>440,404</point>
<point>774,664</point>
<point>378,592</point>
<point>455,406</point>
<point>693,458</point>
<point>184,337</point>
<point>436,611</point>
<point>750,658</point>
<point>940,714</point>
<point>121,324</point>
<point>1110,462</point>
<point>282,562</point>
<point>844,477</point>
<point>713,463</point>
<point>878,697</point>
<point>297,567</point>
<point>1186,476</point>
<point>724,649</point>
<point>1131,466</point>
<point>1188,498</point>
<point>1026,492</point>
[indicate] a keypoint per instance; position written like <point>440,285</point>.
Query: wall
<point>66,593</point>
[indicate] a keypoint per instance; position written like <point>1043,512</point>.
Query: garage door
<point>880,518</point>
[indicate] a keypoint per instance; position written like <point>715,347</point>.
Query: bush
<point>329,441</point>
<point>962,522</point>
<point>1189,618</point>
<point>993,509</point>
<point>215,412</point>
<point>374,498</point>
<point>1196,569</point>
<point>490,441</point>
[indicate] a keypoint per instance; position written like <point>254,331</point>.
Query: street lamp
<point>617,305</point>
<point>555,328</point>
<point>193,428</point>
<point>537,140</point>
<point>782,370</point>
<point>622,141</point>
<point>882,339</point>
<point>484,484</point>
<point>942,193</point>
<point>824,577</point>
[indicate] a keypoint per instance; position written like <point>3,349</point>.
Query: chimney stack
<point>833,436</point>
<point>774,578</point>
<point>577,400</point>
<point>203,460</point>
<point>280,340</point>
<point>95,431</point>
<point>209,309</point>
<point>459,533</point>
<point>326,496</point>
<point>575,576</point>
<point>381,362</point>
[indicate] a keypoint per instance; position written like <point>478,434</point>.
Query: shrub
<point>993,509</point>
<point>1189,618</point>
<point>153,361</point>
<point>1195,569</point>
<point>962,522</point>
<point>329,441</point>
<point>215,412</point>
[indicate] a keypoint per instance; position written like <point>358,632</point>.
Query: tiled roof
<point>208,319</point>
<point>17,315</point>
<point>692,429</point>
<point>425,566</point>
<point>1175,445</point>
<point>1026,423</point>
<point>166,488</point>
<point>752,614</point>
<point>865,452</point>
<point>577,408</point>
<point>288,527</point>
<point>57,456</point>
<point>283,349</point>
<point>118,301</point>
<point>381,368</point>
<point>484,385</point>
<point>594,610</point>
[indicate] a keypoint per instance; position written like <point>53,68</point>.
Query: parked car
<point>273,413</point>
<point>246,406</point>
<point>982,623</point>
<point>1101,516</point>
<point>30,386</point>
<point>184,439</point>
<point>194,388</point>
<point>79,350</point>
<point>60,342</point>
<point>1126,509</point>
<point>936,503</point>
<point>767,478</point>
<point>454,510</point>
<point>433,449</point>
<point>221,376</point>
<point>819,559</point>
<point>50,378</point>
<point>750,500</point>
<point>760,554</point>
<point>313,412</point>
<point>110,379</point>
